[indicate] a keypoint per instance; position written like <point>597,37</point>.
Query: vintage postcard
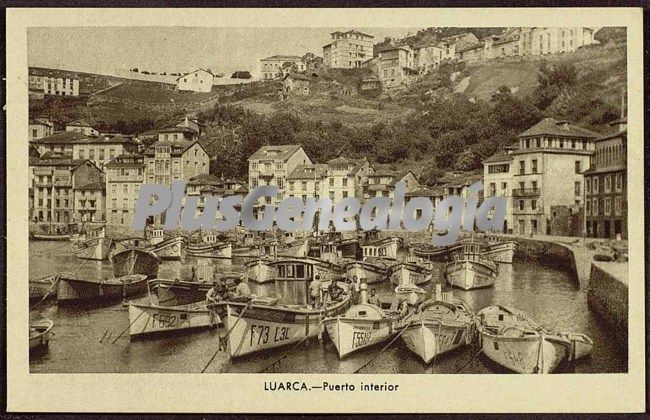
<point>324,210</point>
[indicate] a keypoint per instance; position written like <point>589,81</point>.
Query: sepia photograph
<point>359,199</point>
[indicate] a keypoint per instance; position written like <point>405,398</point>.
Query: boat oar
<point>386,346</point>
<point>222,339</point>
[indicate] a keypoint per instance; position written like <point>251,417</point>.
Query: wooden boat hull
<point>44,237</point>
<point>580,345</point>
<point>262,327</point>
<point>71,290</point>
<point>430,339</point>
<point>260,272</point>
<point>177,293</point>
<point>170,249</point>
<point>501,252</point>
<point>40,333</point>
<point>367,272</point>
<point>95,249</point>
<point>403,273</point>
<point>150,319</point>
<point>539,354</point>
<point>439,254</point>
<point>219,250</point>
<point>350,334</point>
<point>40,289</point>
<point>135,261</point>
<point>467,275</point>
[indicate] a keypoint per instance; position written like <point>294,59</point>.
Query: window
<point>91,154</point>
<point>125,188</point>
<point>331,195</point>
<point>596,186</point>
<point>588,186</point>
<point>534,166</point>
<point>504,187</point>
<point>522,204</point>
<point>608,206</point>
<point>331,182</point>
<point>608,183</point>
<point>619,182</point>
<point>595,206</point>
<point>618,208</point>
<point>577,188</point>
<point>345,194</point>
<point>533,204</point>
<point>534,184</point>
<point>522,167</point>
<point>114,203</point>
<point>588,208</point>
<point>577,169</point>
<point>345,182</point>
<point>493,189</point>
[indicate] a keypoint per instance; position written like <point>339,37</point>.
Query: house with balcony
<point>271,165</point>
<point>90,202</point>
<point>498,179</point>
<point>348,49</point>
<point>124,176</point>
<point>548,171</point>
<point>606,185</point>
<point>382,183</point>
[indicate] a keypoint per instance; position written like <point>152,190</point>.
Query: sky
<point>176,49</point>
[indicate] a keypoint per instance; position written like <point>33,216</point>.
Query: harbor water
<point>83,340</point>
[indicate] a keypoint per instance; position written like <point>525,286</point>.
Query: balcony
<point>525,192</point>
<point>266,173</point>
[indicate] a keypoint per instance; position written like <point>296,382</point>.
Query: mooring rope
<point>386,346</point>
<point>222,339</point>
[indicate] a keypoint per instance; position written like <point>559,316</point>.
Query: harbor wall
<point>607,297</point>
<point>550,254</point>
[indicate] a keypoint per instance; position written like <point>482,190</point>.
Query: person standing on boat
<point>315,291</point>
<point>355,288</point>
<point>334,291</point>
<point>373,299</point>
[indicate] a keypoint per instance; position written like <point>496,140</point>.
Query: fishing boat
<point>168,249</point>
<point>370,270</point>
<point>94,249</point>
<point>430,252</point>
<point>469,270</point>
<point>135,261</point>
<point>71,289</point>
<point>40,333</point>
<point>259,271</point>
<point>87,234</point>
<point>384,248</point>
<point>180,292</point>
<point>326,270</point>
<point>42,289</point>
<point>288,318</point>
<point>411,272</point>
<point>49,237</point>
<point>513,340</point>
<point>580,345</point>
<point>441,324</point>
<point>222,250</point>
<point>362,326</point>
<point>498,250</point>
<point>151,319</point>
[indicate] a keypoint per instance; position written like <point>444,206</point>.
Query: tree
<point>241,75</point>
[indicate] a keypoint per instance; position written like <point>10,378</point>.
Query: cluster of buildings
<point>561,179</point>
<point>39,86</point>
<point>400,63</point>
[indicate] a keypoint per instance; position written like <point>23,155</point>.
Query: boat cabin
<point>294,275</point>
<point>269,249</point>
<point>467,250</point>
<point>383,248</point>
<point>156,236</point>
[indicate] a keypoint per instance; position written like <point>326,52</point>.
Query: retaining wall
<point>608,298</point>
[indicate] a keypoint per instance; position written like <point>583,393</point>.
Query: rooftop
<point>282,57</point>
<point>500,156</point>
<point>62,137</point>
<point>553,127</point>
<point>126,160</point>
<point>314,171</point>
<point>352,31</point>
<point>279,152</point>
<point>95,186</point>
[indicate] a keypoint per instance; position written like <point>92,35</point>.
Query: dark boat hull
<point>135,261</point>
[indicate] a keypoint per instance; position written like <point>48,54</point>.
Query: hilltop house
<point>295,83</point>
<point>348,49</point>
<point>275,67</point>
<point>397,66</point>
<point>199,80</point>
<point>40,127</point>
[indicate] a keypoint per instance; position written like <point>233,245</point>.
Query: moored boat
<point>267,323</point>
<point>49,237</point>
<point>500,251</point>
<point>384,248</point>
<point>169,249</point>
<point>135,261</point>
<point>469,270</point>
<point>39,334</point>
<point>42,289</point>
<point>94,249</point>
<point>178,292</point>
<point>152,319</point>
<point>71,289</point>
<point>362,326</point>
<point>430,252</point>
<point>210,250</point>
<point>580,345</point>
<point>87,234</point>
<point>411,272</point>
<point>441,325</point>
<point>259,271</point>
<point>511,339</point>
<point>367,271</point>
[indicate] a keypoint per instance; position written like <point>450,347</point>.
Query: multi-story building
<point>101,150</point>
<point>40,127</point>
<point>61,142</point>
<point>606,186</point>
<point>471,53</point>
<point>546,40</point>
<point>178,133</point>
<point>54,182</point>
<point>276,66</point>
<point>497,180</point>
<point>124,175</point>
<point>346,178</point>
<point>382,183</point>
<point>81,126</point>
<point>61,86</point>
<point>199,80</point>
<point>450,44</point>
<point>428,56</point>
<point>169,161</point>
<point>271,165</point>
<point>548,171</point>
<point>397,66</point>
<point>348,49</point>
<point>307,181</point>
<point>90,202</point>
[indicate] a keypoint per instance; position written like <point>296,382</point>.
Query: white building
<point>81,126</point>
<point>277,66</point>
<point>348,49</point>
<point>197,81</point>
<point>61,86</point>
